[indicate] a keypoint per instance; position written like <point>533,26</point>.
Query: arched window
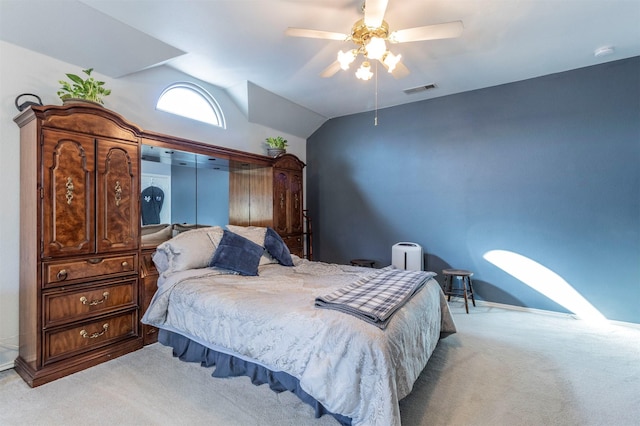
<point>191,101</point>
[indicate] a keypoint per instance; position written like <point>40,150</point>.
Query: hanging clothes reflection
<point>152,200</point>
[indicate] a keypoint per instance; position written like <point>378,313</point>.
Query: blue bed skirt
<point>229,366</point>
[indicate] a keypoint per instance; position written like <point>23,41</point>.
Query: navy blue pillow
<point>277,248</point>
<point>237,254</point>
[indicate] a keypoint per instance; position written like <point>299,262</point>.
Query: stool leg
<point>448,286</point>
<point>464,291</point>
<point>471,291</point>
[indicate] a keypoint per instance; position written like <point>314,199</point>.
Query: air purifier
<point>407,256</point>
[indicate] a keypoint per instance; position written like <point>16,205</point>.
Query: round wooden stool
<point>466,290</point>
<point>363,262</point>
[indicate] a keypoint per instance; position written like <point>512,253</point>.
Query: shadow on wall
<point>345,213</point>
<point>487,291</point>
<point>436,264</point>
<point>350,211</point>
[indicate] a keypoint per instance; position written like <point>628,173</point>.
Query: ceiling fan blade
<point>328,35</point>
<point>428,32</point>
<point>401,71</point>
<point>374,11</point>
<point>330,70</point>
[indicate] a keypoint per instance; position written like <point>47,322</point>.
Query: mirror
<point>180,187</point>
<point>183,190</point>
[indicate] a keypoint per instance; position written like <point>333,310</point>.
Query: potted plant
<point>88,89</point>
<point>277,145</point>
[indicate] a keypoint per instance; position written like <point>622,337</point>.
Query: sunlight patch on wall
<point>545,281</point>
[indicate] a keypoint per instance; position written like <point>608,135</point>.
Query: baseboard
<point>8,354</point>
<point>539,311</point>
<point>6,366</point>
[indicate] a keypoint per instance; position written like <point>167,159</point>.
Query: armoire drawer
<point>63,272</point>
<point>64,342</point>
<point>67,306</point>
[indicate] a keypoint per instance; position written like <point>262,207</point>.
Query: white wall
<point>134,97</point>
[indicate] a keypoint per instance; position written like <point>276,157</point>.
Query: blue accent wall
<point>548,168</point>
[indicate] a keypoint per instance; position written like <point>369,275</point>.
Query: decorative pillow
<point>188,250</point>
<point>257,235</point>
<point>238,254</point>
<point>277,248</point>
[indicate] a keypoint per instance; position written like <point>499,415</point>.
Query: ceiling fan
<point>371,35</point>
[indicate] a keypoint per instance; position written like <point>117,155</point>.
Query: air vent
<point>419,89</point>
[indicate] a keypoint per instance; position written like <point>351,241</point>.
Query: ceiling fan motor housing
<point>361,34</point>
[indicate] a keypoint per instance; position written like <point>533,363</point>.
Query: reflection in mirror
<point>180,187</point>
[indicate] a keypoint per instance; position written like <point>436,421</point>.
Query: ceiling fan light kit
<point>372,42</point>
<point>364,72</point>
<point>391,61</point>
<point>376,48</point>
<point>371,35</point>
<point>346,58</point>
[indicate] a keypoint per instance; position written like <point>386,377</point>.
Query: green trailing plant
<point>89,89</point>
<point>277,142</point>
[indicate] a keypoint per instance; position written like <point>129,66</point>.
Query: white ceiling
<point>227,43</point>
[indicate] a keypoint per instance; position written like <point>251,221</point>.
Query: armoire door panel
<point>296,204</point>
<point>281,201</point>
<point>67,194</point>
<point>117,193</point>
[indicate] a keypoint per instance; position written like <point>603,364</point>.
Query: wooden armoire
<point>79,240</point>
<point>85,277</point>
<point>288,220</point>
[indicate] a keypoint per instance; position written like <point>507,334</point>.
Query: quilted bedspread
<point>350,366</point>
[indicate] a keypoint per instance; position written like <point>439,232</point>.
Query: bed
<point>267,326</point>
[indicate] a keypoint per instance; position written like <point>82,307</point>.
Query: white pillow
<point>188,250</point>
<point>255,234</point>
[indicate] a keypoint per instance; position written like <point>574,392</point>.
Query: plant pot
<point>70,101</point>
<point>274,152</point>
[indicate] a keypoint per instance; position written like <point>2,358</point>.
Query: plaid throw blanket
<point>376,298</point>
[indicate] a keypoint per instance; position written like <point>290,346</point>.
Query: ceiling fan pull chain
<point>375,119</point>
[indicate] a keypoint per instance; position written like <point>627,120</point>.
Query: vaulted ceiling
<point>227,43</point>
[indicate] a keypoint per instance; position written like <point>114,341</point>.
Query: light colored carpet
<point>503,367</point>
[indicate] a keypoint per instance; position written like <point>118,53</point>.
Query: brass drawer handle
<point>70,188</point>
<point>125,264</point>
<point>85,301</point>
<point>95,260</point>
<point>118,193</point>
<point>61,275</point>
<point>86,335</point>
